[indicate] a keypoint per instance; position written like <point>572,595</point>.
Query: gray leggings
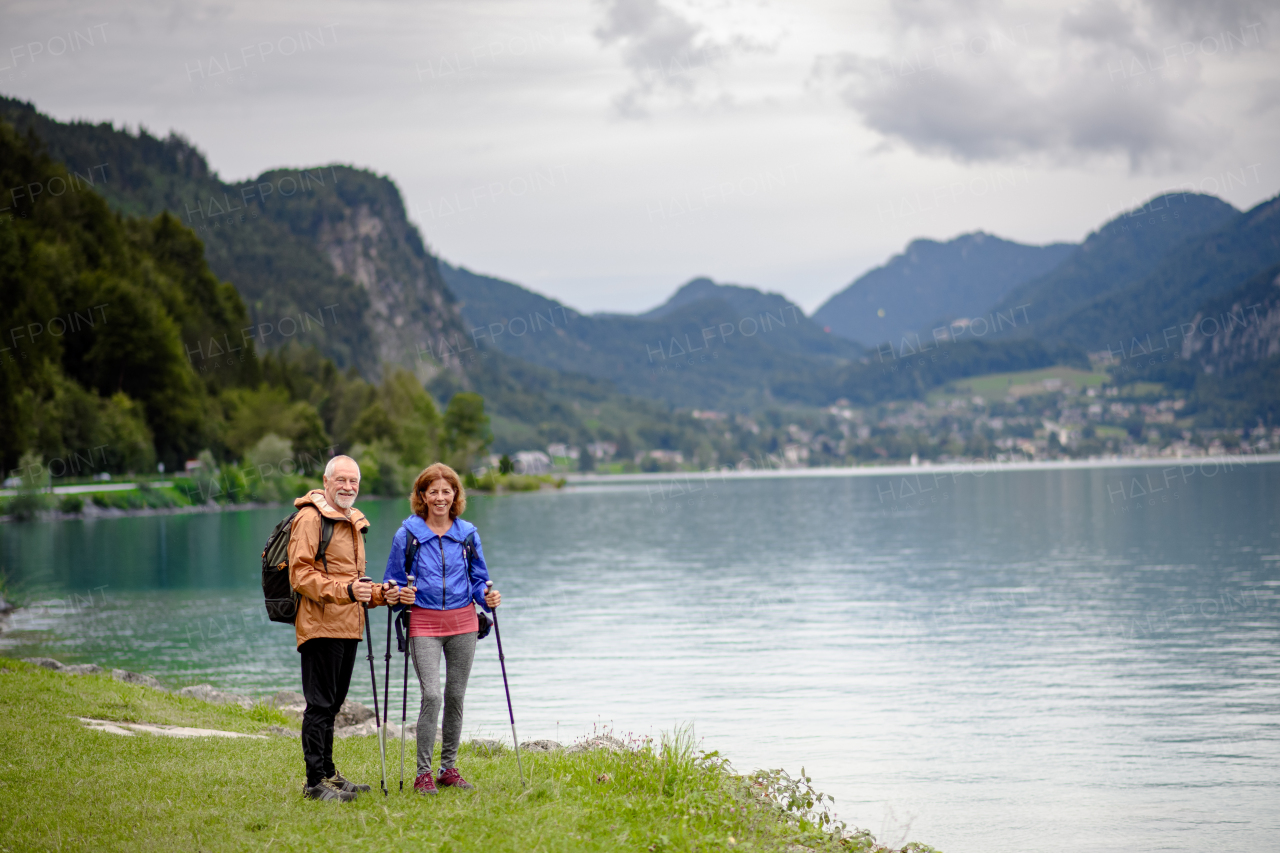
<point>459,650</point>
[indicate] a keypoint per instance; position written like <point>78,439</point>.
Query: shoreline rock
<point>67,669</point>
<point>209,693</point>
<point>609,743</point>
<point>137,678</point>
<point>540,746</point>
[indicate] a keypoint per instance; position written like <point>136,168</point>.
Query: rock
<point>281,731</point>
<point>485,746</point>
<point>604,778</point>
<point>82,669</point>
<point>357,730</point>
<point>352,714</point>
<point>209,693</point>
<point>605,742</point>
<point>156,729</point>
<point>350,722</point>
<point>540,746</point>
<point>290,702</point>
<point>370,727</point>
<point>135,678</point>
<point>287,698</point>
<point>66,669</point>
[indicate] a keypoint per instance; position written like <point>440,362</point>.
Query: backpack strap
<point>468,551</point>
<point>410,551</point>
<point>326,534</point>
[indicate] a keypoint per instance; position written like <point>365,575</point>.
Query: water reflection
<point>1004,662</point>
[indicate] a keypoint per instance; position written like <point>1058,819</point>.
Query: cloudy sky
<point>605,151</point>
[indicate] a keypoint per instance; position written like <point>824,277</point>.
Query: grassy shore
<point>65,787</point>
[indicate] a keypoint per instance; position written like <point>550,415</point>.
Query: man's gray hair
<point>333,463</point>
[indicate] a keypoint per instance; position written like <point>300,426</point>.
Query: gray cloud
<point>973,83</point>
<point>666,53</point>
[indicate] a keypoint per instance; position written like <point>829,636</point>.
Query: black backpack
<point>278,594</point>
<point>411,551</point>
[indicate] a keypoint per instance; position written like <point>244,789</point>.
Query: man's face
<point>341,489</point>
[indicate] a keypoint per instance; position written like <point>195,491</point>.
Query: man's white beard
<point>345,501</point>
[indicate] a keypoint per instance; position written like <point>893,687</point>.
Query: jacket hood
<point>316,498</point>
<point>418,527</point>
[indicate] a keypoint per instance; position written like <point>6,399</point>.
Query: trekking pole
<point>503,661</point>
<point>404,699</point>
<point>373,677</point>
<point>386,679</point>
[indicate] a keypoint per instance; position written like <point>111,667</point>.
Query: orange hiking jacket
<point>326,607</point>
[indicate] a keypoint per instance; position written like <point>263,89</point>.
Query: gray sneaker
<point>345,784</point>
<point>326,790</point>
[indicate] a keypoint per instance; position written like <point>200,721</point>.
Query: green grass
<point>1134,390</point>
<point>65,787</point>
<point>995,386</point>
<point>495,483</point>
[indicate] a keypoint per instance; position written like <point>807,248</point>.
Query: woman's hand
<point>492,597</point>
<point>407,594</point>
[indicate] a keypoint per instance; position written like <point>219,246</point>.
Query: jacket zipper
<point>442,583</point>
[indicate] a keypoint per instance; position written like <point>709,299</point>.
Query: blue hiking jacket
<point>441,583</point>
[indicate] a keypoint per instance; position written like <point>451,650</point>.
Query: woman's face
<point>439,498</point>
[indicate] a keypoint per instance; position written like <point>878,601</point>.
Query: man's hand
<point>362,589</point>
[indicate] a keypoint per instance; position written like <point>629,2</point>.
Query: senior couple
<point>334,594</point>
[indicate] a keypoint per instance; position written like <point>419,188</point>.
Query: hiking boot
<point>424,784</point>
<point>345,784</point>
<point>451,778</point>
<point>326,790</point>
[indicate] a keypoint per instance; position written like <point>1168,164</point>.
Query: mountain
<point>298,244</point>
<point>1229,361</point>
<point>808,337</point>
<point>932,283</point>
<point>1233,332</point>
<point>1197,269</point>
<point>97,372</point>
<point>325,258</point>
<point>1118,255</point>
<point>97,309</point>
<point>710,347</point>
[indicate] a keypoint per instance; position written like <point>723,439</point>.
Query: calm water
<point>1022,661</point>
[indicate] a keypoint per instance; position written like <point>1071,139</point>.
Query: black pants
<point>327,664</point>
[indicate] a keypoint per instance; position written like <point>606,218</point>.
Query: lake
<point>1021,661</point>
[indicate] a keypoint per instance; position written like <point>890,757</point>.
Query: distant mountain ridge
<point>1120,254</point>
<point>338,236</point>
<point>932,283</point>
<point>1199,268</point>
<point>709,346</point>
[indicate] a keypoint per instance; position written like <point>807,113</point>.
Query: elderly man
<point>333,590</point>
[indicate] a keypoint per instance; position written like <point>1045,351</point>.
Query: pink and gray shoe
<point>424,784</point>
<point>451,778</point>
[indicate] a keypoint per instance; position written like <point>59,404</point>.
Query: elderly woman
<point>450,577</point>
